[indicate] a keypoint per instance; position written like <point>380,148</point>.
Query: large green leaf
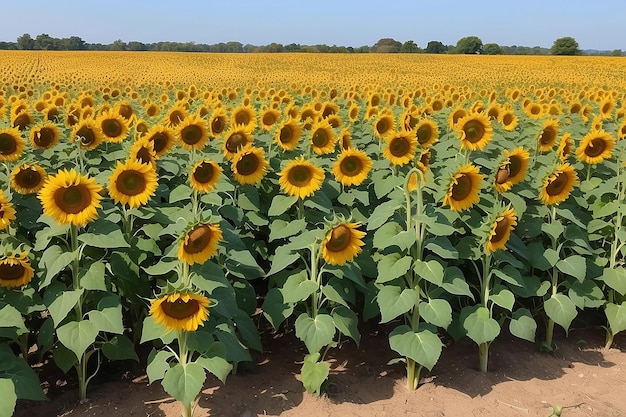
<point>77,336</point>
<point>151,330</point>
<point>105,235</point>
<point>616,316</point>
<point>560,309</point>
<point>431,271</point>
<point>424,347</point>
<point>280,229</point>
<point>213,360</point>
<point>158,364</point>
<point>275,309</point>
<point>442,246</point>
<point>184,382</point>
<point>553,229</point>
<point>119,348</point>
<point>25,381</point>
<point>347,322</point>
<point>454,282</point>
<point>280,204</point>
<point>298,287</point>
<point>315,332</point>
<point>615,278</point>
<point>9,398</point>
<point>381,214</point>
<point>504,298</point>
<point>242,264</point>
<point>392,266</point>
<point>63,304</point>
<point>11,318</point>
<point>54,260</point>
<point>314,373</point>
<point>282,259</point>
<point>108,316</point>
<point>523,325</point>
<point>481,328</point>
<point>386,235</point>
<point>393,301</point>
<point>436,311</point>
<point>574,265</point>
<point>93,278</point>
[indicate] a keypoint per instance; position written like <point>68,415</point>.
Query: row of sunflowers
<point>177,217</point>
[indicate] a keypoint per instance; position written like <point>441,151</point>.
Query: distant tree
<point>25,42</point>
<point>273,47</point>
<point>436,47</point>
<point>468,45</point>
<point>118,45</point>
<point>362,49</point>
<point>73,43</point>
<point>492,49</point>
<point>233,46</point>
<point>409,47</point>
<point>616,52</point>
<point>565,46</point>
<point>387,45</point>
<point>136,46</point>
<point>45,42</point>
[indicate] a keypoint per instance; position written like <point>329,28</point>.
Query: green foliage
<point>468,45</point>
<point>565,46</point>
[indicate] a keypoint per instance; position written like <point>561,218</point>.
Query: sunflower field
<point>181,201</point>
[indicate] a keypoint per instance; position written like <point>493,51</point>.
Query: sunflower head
<point>7,212</point>
<point>162,138</point>
<point>474,131</point>
<point>548,134</point>
<point>558,185</point>
<point>342,243</point>
<point>351,167</point>
<point>427,132</point>
<point>11,144</point>
<point>269,117</point>
<point>218,122</point>
<point>245,116</point>
<point>323,138</point>
<point>192,132</point>
<point>384,124</point>
<point>199,243</point>
<point>457,114</point>
<point>133,183</point>
<point>28,178</point>
<point>236,138</point>
<point>204,176</point>
<point>508,120</point>
<point>112,126</point>
<point>249,165</point>
<point>595,147</point>
<point>517,164</point>
<point>498,228</point>
<point>143,151</point>
<point>401,147</point>
<point>463,188</point>
<point>180,311</point>
<point>15,270</point>
<point>44,136</point>
<point>87,134</point>
<point>288,134</point>
<point>301,178</point>
<point>566,145</point>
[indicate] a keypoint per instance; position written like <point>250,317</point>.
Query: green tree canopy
<point>469,45</point>
<point>565,46</point>
<point>435,47</point>
<point>492,49</point>
<point>409,47</point>
<point>387,45</point>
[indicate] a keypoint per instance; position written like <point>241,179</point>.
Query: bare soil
<point>581,376</point>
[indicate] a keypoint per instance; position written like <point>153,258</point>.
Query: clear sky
<point>596,24</point>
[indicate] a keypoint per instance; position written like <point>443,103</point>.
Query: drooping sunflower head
<point>463,188</point>
<point>517,164</point>
<point>351,167</point>
<point>566,145</point>
<point>11,144</point>
<point>502,183</point>
<point>218,122</point>
<point>15,270</point>
<point>558,185</point>
<point>323,138</point>
<point>192,132</point>
<point>427,133</point>
<point>28,178</point>
<point>180,311</point>
<point>236,138</point>
<point>133,183</point>
<point>162,138</point>
<point>244,116</point>
<point>87,134</point>
<point>71,198</point>
<point>595,147</point>
<point>288,134</point>
<point>401,147</point>
<point>204,176</point>
<point>7,212</point>
<point>22,120</point>
<point>474,131</point>
<point>301,178</point>
<point>112,126</point>
<point>249,165</point>
<point>175,116</point>
<point>342,243</point>
<point>500,227</point>
<point>548,134</point>
<point>423,162</point>
<point>345,138</point>
<point>353,112</point>
<point>199,243</point>
<point>44,136</point>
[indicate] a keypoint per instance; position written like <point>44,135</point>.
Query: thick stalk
<point>615,248</point>
<point>314,276</point>
<point>183,356</point>
<point>483,348</point>
<point>554,285</point>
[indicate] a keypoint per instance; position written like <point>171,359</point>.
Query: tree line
<point>466,45</point>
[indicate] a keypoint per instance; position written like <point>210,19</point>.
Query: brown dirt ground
<point>522,381</point>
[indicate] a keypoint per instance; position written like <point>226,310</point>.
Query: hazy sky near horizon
<point>594,24</point>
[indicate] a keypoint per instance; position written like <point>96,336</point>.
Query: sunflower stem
<point>183,356</point>
<point>483,348</point>
<point>314,276</point>
<point>554,284</point>
<point>615,246</point>
<point>8,184</point>
<point>300,208</point>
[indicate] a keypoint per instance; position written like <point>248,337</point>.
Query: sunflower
<point>249,165</point>
<point>502,183</point>
<point>245,116</point>
<point>199,243</point>
<point>621,130</point>
<point>559,184</point>
<point>7,212</point>
<point>353,112</point>
<point>180,311</point>
<point>71,198</point>
<point>518,164</point>
<point>606,107</point>
<point>384,125</point>
<point>493,111</point>
<point>87,134</point>
<point>342,243</point>
<point>463,188</point>
<point>236,138</point>
<point>22,120</point>
<point>457,114</point>
<point>500,230</point>
<point>427,133</point>
<point>44,136</point>
<point>218,122</point>
<point>345,138</point>
<point>28,178</point>
<point>301,178</point>
<point>192,133</point>
<point>113,126</point>
<point>323,138</point>
<point>565,147</point>
<point>132,183</point>
<point>474,131</point>
<point>143,151</point>
<point>508,120</point>
<point>269,117</point>
<point>15,271</point>
<point>11,144</point>
<point>401,147</point>
<point>595,147</point>
<point>352,167</point>
<point>162,138</point>
<point>423,162</point>
<point>175,116</point>
<point>548,134</point>
<point>125,109</point>
<point>204,176</point>
<point>288,134</point>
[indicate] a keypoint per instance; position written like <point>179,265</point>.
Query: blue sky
<point>594,24</point>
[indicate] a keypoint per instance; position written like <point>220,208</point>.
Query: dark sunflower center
<point>547,136</point>
<point>131,182</point>
<point>300,176</point>
<point>462,188</point>
<point>242,118</point>
<point>8,144</point>
<point>22,121</point>
<point>204,173</point>
<point>500,230</point>
<point>457,115</point>
<point>503,173</point>
<point>52,114</point>
<point>111,128</point>
<point>286,134</point>
<point>320,138</point>
<point>73,199</point>
<point>236,141</point>
<point>45,137</point>
<point>595,147</point>
<point>354,112</point>
<point>191,134</point>
<point>535,110</point>
<point>198,239</point>
<point>474,131</point>
<point>425,159</point>
<point>217,125</point>
<point>152,111</point>
<point>556,186</point>
<point>10,272</point>
<point>144,155</point>
<point>160,141</point>
<point>248,164</point>
<point>424,133</point>
<point>382,126</point>
<point>28,178</point>
<point>126,111</point>
<point>351,166</point>
<point>399,146</point>
<point>507,119</point>
<point>269,119</point>
<point>340,238</point>
<point>180,309</point>
<point>176,117</point>
<point>327,112</point>
<point>86,136</point>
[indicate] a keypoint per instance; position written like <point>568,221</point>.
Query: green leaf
<point>119,348</point>
<point>616,316</point>
<point>315,332</point>
<point>151,330</point>
<point>314,373</point>
<point>242,264</point>
<point>393,301</point>
<point>608,209</point>
<point>481,328</point>
<point>107,235</point>
<point>381,214</point>
<point>504,298</point>
<point>332,294</point>
<point>551,256</point>
<point>423,347</point>
<point>560,309</point>
<point>275,309</point>
<point>45,235</point>
<point>553,229</point>
<point>93,278</point>
<point>63,304</point>
<point>235,350</point>
<point>347,322</point>
<point>298,287</point>
<point>386,234</point>
<point>248,330</point>
<point>180,193</point>
<point>574,265</point>
<point>184,382</point>
<point>158,364</point>
<point>10,317</point>
<point>523,325</point>
<point>280,204</point>
<point>26,384</point>
<point>64,358</point>
<point>510,275</point>
<point>282,259</point>
<point>9,398</point>
<point>436,312</point>
<point>392,266</point>
<point>615,278</point>
<point>108,316</point>
<point>213,361</point>
<point>586,294</point>
<point>441,246</point>
<point>53,261</point>
<point>280,229</point>
<point>431,271</point>
<point>77,336</point>
<point>454,282</point>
